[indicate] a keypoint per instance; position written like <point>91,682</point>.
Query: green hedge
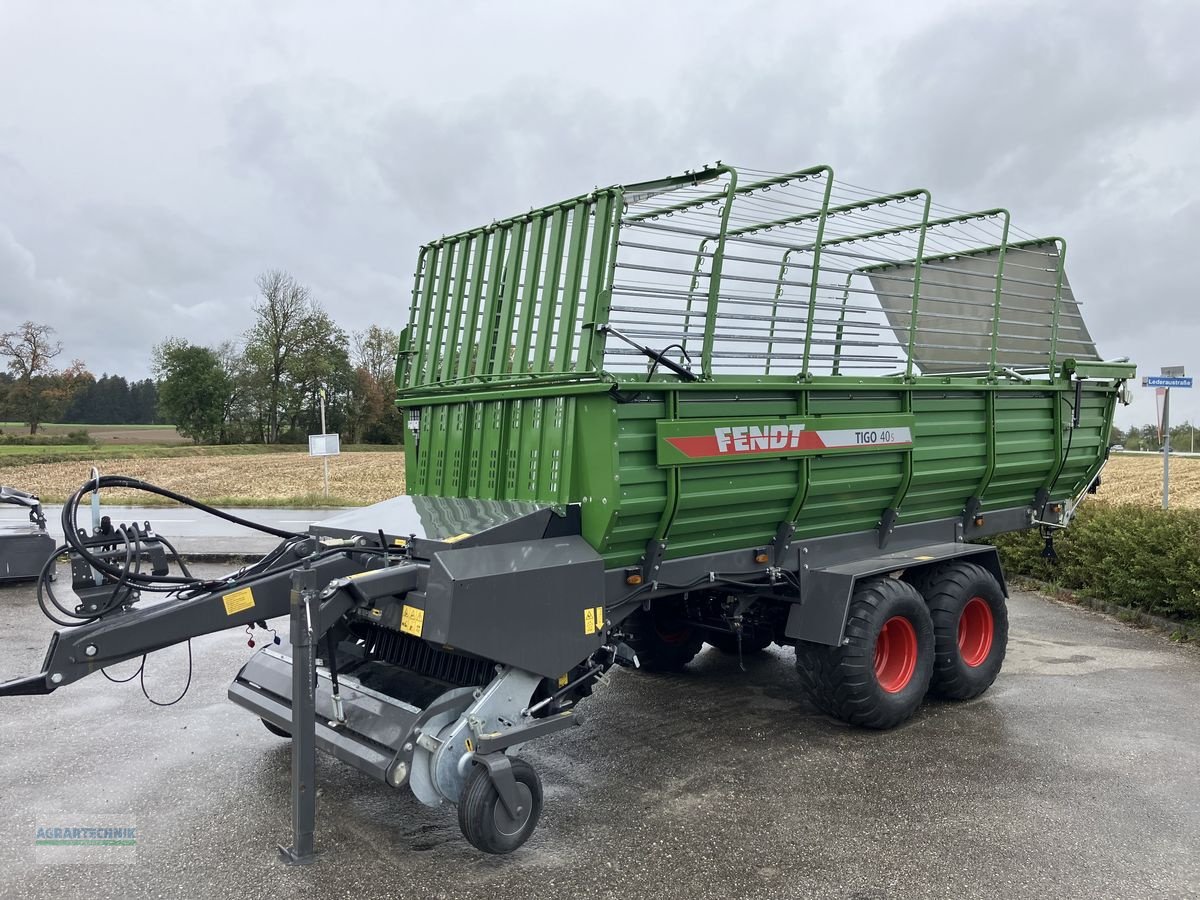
<point>1147,559</point>
<point>46,440</point>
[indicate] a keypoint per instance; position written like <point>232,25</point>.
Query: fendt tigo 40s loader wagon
<point>732,407</point>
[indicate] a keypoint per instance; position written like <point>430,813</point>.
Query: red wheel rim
<point>895,654</point>
<point>975,630</point>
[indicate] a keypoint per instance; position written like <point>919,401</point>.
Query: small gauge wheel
<point>484,819</point>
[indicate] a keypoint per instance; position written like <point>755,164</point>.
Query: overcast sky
<point>154,157</point>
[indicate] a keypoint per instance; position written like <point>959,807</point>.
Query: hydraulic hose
<point>162,583</point>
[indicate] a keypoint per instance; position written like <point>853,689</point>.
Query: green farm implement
<point>732,408</point>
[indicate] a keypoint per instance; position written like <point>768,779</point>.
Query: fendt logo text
<point>748,438</point>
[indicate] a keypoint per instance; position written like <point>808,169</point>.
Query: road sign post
<point>324,445</point>
<point>1171,377</point>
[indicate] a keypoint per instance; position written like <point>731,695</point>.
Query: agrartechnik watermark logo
<point>85,843</point>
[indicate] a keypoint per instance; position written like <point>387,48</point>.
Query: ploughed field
<point>1138,480</point>
<point>260,479</point>
<point>292,478</point>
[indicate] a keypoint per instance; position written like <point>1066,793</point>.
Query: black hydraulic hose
<point>137,484</point>
<point>159,583</point>
<point>44,580</point>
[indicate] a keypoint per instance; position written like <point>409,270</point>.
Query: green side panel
<point>1025,454</point>
<point>505,449</point>
<point>949,453</point>
<point>1088,443</point>
<point>849,493</point>
<point>636,485</point>
<point>587,448</point>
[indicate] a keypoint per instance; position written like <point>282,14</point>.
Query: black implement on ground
<point>24,547</point>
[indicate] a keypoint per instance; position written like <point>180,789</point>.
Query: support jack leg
<point>304,722</point>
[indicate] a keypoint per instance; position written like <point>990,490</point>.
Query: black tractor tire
<point>970,627</point>
<point>753,643</point>
<point>662,641</point>
<point>276,730</point>
<point>484,820</point>
<point>880,673</point>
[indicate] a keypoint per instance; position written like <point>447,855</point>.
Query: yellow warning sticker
<point>400,542</point>
<point>412,620</point>
<point>238,601</point>
<point>457,538</point>
<point>589,620</point>
<point>562,681</point>
<point>599,617</point>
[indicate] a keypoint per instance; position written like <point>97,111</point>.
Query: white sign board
<point>324,444</point>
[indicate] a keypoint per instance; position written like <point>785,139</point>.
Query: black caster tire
<point>662,641</point>
<point>276,730</point>
<point>484,820</point>
<point>970,628</point>
<point>727,643</point>
<point>879,675</point>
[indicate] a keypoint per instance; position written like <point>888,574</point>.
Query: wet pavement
<point>191,530</point>
<point>1077,775</point>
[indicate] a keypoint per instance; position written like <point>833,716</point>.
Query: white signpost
<point>1171,377</point>
<point>324,445</point>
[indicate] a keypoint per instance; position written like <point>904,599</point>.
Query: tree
<point>1150,438</point>
<point>373,415</point>
<point>192,389</point>
<point>284,329</point>
<point>375,351</point>
<point>143,402</point>
<point>30,350</point>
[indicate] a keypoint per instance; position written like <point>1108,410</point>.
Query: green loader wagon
<point>732,408</point>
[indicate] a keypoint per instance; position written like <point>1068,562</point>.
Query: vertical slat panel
<point>495,279</point>
<point>549,305</point>
<point>471,318</point>
<point>534,410</point>
<point>456,327</point>
<point>512,449</point>
<point>595,304</point>
<point>570,300</point>
<point>440,333</point>
<point>474,448</point>
<point>490,450</point>
<point>529,296</point>
<point>502,350</point>
<point>420,334</point>
<point>456,444</point>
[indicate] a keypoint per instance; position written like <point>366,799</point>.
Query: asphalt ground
<point>1077,775</point>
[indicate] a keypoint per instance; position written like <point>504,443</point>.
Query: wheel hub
<point>976,627</point>
<point>895,654</point>
<point>509,825</point>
